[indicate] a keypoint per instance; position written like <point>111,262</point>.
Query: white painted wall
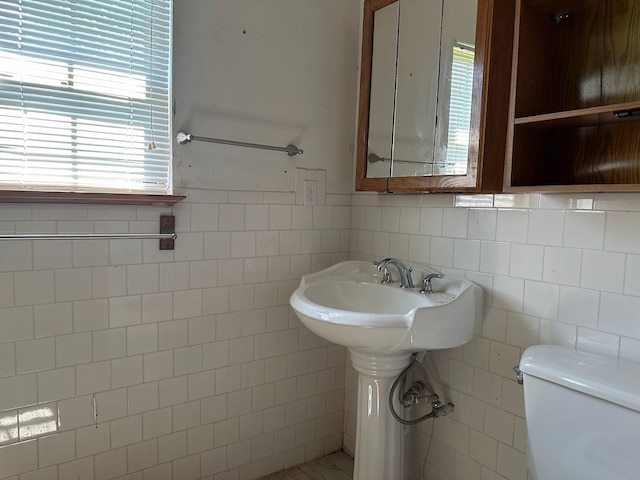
<point>265,72</point>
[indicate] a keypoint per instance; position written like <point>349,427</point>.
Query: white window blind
<point>460,109</point>
<point>85,95</point>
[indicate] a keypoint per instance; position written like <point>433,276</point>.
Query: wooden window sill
<point>20,196</point>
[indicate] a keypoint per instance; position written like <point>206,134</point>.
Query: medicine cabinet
<point>434,103</point>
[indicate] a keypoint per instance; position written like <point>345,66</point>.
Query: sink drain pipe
<point>417,394</point>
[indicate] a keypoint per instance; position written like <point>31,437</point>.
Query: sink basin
<point>347,305</point>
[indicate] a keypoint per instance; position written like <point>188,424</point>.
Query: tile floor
<point>335,466</point>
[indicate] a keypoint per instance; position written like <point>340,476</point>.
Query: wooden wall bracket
<point>167,225</point>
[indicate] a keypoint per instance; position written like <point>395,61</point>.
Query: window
<point>85,96</point>
<point>460,109</point>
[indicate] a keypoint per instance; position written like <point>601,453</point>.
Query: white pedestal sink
<point>382,325</point>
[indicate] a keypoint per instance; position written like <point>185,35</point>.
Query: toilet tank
<point>582,414</point>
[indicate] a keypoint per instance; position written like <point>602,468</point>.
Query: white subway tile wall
<point>556,269</point>
<point>118,360</point>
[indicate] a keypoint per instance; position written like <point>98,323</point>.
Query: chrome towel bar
<point>183,138</point>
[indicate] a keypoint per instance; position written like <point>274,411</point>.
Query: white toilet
<point>583,414</point>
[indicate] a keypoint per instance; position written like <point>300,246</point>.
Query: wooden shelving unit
<point>575,97</point>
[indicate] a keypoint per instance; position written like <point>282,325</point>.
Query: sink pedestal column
<point>379,437</point>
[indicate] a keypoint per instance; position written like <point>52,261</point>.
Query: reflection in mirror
<point>459,120</point>
<point>417,88</point>
<point>422,129</point>
<point>455,87</point>
<point>383,86</point>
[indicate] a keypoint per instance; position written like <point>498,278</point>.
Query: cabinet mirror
<point>423,92</point>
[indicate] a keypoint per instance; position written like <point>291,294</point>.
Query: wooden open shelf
<point>569,79</point>
<point>584,117</point>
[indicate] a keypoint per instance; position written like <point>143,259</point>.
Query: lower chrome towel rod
<point>88,236</point>
<point>183,138</point>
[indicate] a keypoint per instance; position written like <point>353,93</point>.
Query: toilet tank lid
<point>611,379</point>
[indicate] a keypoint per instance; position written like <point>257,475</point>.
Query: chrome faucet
<point>405,272</point>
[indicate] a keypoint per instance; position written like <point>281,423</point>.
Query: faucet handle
<point>426,282</point>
